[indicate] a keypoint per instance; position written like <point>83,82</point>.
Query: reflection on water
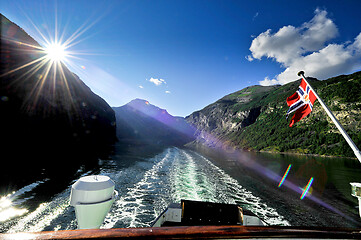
<point>147,185</point>
<point>330,174</point>
<point>7,211</point>
<point>329,199</point>
<point>9,203</point>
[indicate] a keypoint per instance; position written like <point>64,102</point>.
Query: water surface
<point>148,184</point>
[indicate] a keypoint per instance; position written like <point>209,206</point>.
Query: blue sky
<point>184,55</point>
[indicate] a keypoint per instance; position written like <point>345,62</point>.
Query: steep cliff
<point>254,119</point>
<point>227,115</point>
<point>49,118</point>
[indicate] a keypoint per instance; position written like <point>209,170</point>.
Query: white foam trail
<point>146,189</point>
<point>188,175</point>
<point>233,192</point>
<point>185,179</point>
<point>42,217</point>
<point>28,188</point>
<point>46,212</point>
<point>131,205</point>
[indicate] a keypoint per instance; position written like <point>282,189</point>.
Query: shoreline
<point>304,154</point>
<point>199,147</point>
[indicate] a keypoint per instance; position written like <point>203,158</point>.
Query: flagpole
<point>335,121</point>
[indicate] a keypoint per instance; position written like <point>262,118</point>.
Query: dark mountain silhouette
<point>140,122</point>
<point>49,118</point>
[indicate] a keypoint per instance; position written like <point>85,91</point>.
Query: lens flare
<point>307,188</point>
<point>285,175</point>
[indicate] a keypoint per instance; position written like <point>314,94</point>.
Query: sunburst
<point>56,52</point>
<point>49,63</point>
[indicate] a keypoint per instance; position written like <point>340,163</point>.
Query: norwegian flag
<point>301,102</point>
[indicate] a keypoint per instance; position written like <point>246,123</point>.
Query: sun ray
<point>81,30</point>
<point>34,69</point>
<point>23,43</point>
<point>56,21</point>
<point>36,91</point>
<point>23,66</point>
<point>64,79</point>
<point>61,38</point>
<point>46,41</point>
<point>48,71</point>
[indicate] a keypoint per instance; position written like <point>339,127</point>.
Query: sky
<point>184,55</point>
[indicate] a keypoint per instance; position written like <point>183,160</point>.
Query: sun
<point>56,52</point>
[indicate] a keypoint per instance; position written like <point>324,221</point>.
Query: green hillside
<point>315,134</point>
<point>269,130</point>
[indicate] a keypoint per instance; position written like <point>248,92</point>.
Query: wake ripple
<point>137,207</point>
<point>182,174</point>
<point>146,188</point>
<point>221,187</point>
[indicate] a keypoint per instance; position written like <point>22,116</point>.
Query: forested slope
<point>254,119</point>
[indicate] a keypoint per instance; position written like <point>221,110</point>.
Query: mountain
<point>254,119</point>
<point>140,122</point>
<point>49,118</point>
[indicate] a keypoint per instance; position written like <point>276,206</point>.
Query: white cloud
<point>157,81</point>
<point>249,58</point>
<point>305,48</point>
<point>140,86</point>
<point>268,82</point>
<point>254,17</point>
<point>168,92</point>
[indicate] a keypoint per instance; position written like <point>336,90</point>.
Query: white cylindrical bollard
<point>92,197</point>
<point>356,192</point>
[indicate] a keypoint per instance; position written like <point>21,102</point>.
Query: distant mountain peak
<point>141,121</point>
<point>146,107</point>
<point>139,100</point>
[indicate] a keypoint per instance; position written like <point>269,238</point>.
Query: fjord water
<point>148,184</point>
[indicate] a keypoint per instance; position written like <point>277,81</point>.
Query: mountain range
<point>52,120</point>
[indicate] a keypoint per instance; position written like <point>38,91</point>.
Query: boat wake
<point>146,188</point>
<point>136,206</point>
<point>182,174</point>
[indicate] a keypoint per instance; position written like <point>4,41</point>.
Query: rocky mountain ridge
<point>254,119</point>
